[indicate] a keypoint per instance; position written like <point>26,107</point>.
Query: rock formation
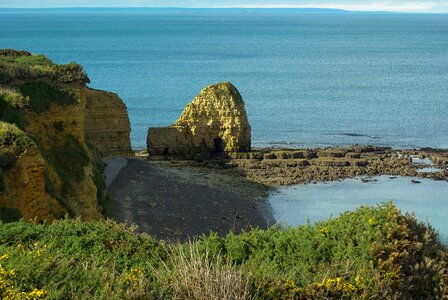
<point>215,122</point>
<point>107,124</point>
<point>54,131</point>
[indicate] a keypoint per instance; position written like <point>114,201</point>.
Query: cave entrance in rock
<point>219,144</point>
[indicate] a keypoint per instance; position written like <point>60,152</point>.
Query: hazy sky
<point>440,6</point>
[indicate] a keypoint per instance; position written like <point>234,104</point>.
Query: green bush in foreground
<point>370,253</point>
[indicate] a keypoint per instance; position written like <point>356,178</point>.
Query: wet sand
<point>173,203</point>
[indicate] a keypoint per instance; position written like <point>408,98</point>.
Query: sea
<point>308,77</point>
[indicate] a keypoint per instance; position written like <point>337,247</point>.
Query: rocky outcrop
<point>275,167</point>
<point>107,124</point>
<point>215,122</point>
<point>53,134</point>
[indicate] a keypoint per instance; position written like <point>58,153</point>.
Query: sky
<point>424,6</point>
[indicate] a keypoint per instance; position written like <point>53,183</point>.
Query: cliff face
<point>214,122</point>
<point>59,132</point>
<point>104,111</point>
<point>25,188</point>
<point>59,170</point>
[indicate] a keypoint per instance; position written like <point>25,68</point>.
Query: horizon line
<point>223,7</point>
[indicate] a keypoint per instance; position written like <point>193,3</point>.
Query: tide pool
<point>428,199</point>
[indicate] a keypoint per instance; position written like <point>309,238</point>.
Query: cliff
<point>214,122</point>
<point>59,169</point>
<point>106,111</point>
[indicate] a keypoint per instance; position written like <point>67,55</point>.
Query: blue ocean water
<point>308,79</point>
<point>428,199</point>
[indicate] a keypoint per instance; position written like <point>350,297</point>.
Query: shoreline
<point>179,200</point>
<point>173,203</point>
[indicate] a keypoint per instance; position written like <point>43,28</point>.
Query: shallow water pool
<point>428,199</point>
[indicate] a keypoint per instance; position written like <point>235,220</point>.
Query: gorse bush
<point>371,253</point>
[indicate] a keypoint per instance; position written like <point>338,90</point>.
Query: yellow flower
<point>36,294</point>
<point>348,289</point>
<point>389,274</point>
<point>371,221</point>
<point>4,256</point>
<point>359,281</point>
<point>325,231</point>
<point>290,284</point>
<point>133,276</point>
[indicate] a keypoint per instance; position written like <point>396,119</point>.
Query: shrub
<point>69,158</point>
<point>74,260</point>
<point>13,142</point>
<point>11,101</point>
<point>41,95</point>
<point>371,253</point>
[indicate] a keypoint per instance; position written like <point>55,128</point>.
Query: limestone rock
<point>107,124</point>
<point>60,133</point>
<point>214,122</point>
<point>69,124</point>
<point>25,189</point>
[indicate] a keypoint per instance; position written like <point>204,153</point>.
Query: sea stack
<point>214,123</point>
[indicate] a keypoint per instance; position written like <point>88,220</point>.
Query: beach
<point>180,203</point>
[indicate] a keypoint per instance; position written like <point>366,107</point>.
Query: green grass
<point>23,66</point>
<point>69,159</point>
<point>371,253</point>
<point>42,95</point>
<point>11,102</point>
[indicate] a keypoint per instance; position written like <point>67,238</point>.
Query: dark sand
<point>181,203</point>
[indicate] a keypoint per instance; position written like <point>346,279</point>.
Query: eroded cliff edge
<point>54,131</point>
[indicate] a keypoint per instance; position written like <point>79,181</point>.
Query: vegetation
<point>25,67</point>
<point>11,101</point>
<point>100,182</point>
<point>370,253</point>
<point>42,95</point>
<point>68,158</point>
<point>13,142</point>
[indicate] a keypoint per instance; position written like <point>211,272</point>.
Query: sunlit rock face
<point>214,122</point>
<point>107,124</point>
<point>54,132</point>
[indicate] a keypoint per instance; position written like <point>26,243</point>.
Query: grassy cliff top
<point>21,66</point>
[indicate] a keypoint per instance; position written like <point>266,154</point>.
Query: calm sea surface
<point>315,202</point>
<point>308,79</point>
